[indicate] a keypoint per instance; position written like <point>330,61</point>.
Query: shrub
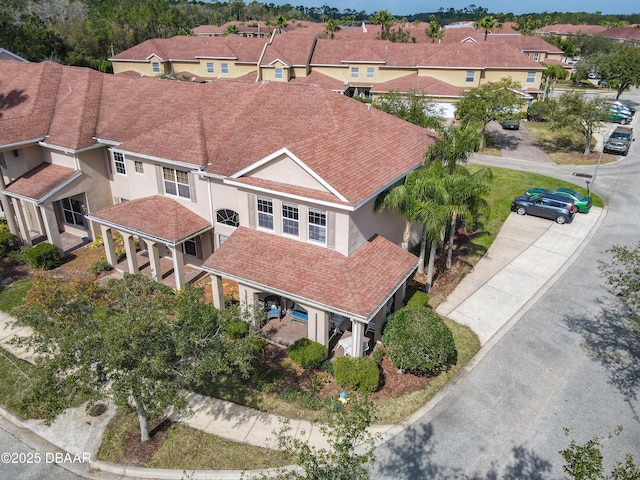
<point>417,339</point>
<point>418,299</point>
<point>540,111</point>
<point>359,374</point>
<point>100,266</point>
<point>44,255</point>
<point>18,256</point>
<point>377,355</point>
<point>307,353</point>
<point>8,243</point>
<point>327,366</point>
<point>237,328</point>
<point>4,226</point>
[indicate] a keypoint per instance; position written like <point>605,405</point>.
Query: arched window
<point>228,217</point>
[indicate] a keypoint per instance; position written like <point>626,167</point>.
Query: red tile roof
<point>159,217</point>
<point>288,188</point>
<point>423,85</point>
<point>358,284</point>
<point>290,49</point>
<point>177,48</point>
<point>41,181</point>
<point>569,29</point>
<point>223,126</point>
<point>622,33</point>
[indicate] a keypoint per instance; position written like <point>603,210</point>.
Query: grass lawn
<point>186,448</point>
<point>565,146</point>
<point>13,295</point>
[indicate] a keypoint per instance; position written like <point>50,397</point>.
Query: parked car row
<point>620,112</point>
<point>559,205</point>
<point>619,141</point>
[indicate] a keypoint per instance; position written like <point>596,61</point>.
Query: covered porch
<point>321,289</point>
<point>160,237</point>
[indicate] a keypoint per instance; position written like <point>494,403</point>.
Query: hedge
<point>418,299</point>
<point>417,339</point>
<point>8,243</point>
<point>360,374</point>
<point>307,353</point>
<point>44,255</point>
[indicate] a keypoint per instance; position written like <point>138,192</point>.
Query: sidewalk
<point>527,256</point>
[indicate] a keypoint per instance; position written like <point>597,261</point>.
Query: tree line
<point>88,32</point>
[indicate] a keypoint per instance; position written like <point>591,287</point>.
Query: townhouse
<point>269,184</point>
<point>354,63</point>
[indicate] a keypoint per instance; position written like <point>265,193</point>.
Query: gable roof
<point>220,127</point>
<point>353,285</point>
<point>569,29</point>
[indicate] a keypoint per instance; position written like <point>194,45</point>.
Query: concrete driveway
<point>518,143</point>
<point>566,361</point>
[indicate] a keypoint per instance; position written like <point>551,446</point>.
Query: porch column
<point>109,249</point>
<point>154,259</point>
<point>22,221</point>
<point>317,326</point>
<point>216,290</point>
<point>9,213</point>
<point>130,249</point>
<point>357,331</point>
<point>50,224</point>
<point>178,266</point>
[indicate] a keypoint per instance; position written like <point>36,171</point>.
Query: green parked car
<point>583,203</point>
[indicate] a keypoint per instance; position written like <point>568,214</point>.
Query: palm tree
<point>434,30</point>
<point>332,28</point>
<point>552,74</point>
<point>488,22</point>
<point>384,19</point>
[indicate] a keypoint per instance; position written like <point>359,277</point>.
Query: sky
<point>408,7</point>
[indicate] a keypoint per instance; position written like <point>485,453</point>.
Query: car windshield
<point>623,136</point>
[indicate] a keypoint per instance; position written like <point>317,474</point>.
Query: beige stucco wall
<point>27,159</point>
<point>455,77</point>
<point>200,68</point>
<point>285,170</point>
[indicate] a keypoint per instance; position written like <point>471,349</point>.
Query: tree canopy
<point>622,273</point>
<point>621,68</point>
<point>583,114</point>
<point>132,340</point>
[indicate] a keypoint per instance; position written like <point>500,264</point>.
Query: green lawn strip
<point>189,449</point>
<point>394,410</point>
<point>13,295</point>
<point>186,448</point>
<point>14,380</point>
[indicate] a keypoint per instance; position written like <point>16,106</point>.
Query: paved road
<point>566,363</point>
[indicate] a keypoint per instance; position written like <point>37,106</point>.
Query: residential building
<point>269,184</point>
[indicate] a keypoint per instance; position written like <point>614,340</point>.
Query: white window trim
<point>355,72</point>
<point>137,163</point>
<point>470,76</point>
<point>175,182</point>
<point>72,212</point>
<point>195,245</point>
<point>211,67</point>
<point>292,220</point>
<point>119,159</point>
<point>321,227</point>
<point>371,72</point>
<point>263,214</point>
<point>224,68</point>
<point>278,73</point>
<point>531,77</point>
<point>155,67</point>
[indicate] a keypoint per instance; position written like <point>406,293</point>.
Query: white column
<point>218,293</point>
<point>22,221</point>
<point>50,225</point>
<point>109,249</point>
<point>178,267</point>
<point>154,259</point>
<point>130,248</point>
<point>9,214</point>
<point>357,331</point>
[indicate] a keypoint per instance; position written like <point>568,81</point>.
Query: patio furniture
<point>336,321</point>
<point>299,313</point>
<point>272,307</point>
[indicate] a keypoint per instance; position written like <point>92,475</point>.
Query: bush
<point>359,374</point>
<point>540,111</point>
<point>327,366</point>
<point>417,339</point>
<point>100,266</point>
<point>8,243</point>
<point>418,299</point>
<point>237,328</point>
<point>18,256</point>
<point>4,226</point>
<point>44,255</point>
<point>307,353</point>
<point>378,355</point>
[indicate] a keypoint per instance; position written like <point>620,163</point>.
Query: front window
<point>210,68</point>
<point>371,72</point>
<point>118,160</point>
<point>470,76</point>
<point>278,72</point>
<point>531,77</point>
<point>290,223</point>
<point>139,166</point>
<point>536,56</point>
<point>228,217</point>
<point>317,225</point>
<point>225,68</point>
<point>265,213</point>
<point>355,72</point>
<point>176,182</point>
<point>156,67</point>
<point>189,247</point>
<point>72,210</point>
